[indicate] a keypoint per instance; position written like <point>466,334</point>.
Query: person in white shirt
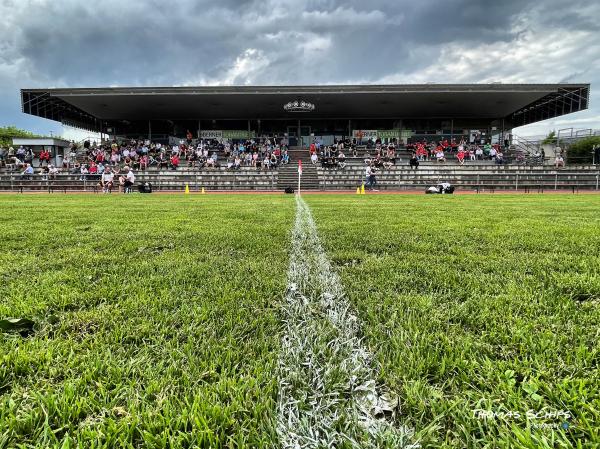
<point>84,172</point>
<point>499,157</point>
<point>559,161</point>
<point>314,158</point>
<point>52,171</point>
<point>493,153</point>
<point>129,179</point>
<point>440,156</point>
<point>107,181</point>
<point>341,160</point>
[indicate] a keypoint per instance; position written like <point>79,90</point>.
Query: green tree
<point>7,133</point>
<point>550,138</point>
<point>581,151</point>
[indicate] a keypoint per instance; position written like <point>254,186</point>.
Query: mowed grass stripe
<point>476,303</point>
<point>327,393</point>
<point>157,318</point>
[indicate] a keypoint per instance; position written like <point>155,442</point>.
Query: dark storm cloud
<point>139,42</point>
<point>152,42</point>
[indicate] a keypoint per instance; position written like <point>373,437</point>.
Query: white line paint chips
<point>328,397</point>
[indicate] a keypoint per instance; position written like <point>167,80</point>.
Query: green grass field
<point>158,324</point>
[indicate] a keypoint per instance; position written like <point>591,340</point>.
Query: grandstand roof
<point>520,104</point>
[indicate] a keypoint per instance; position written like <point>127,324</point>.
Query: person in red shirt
<point>144,162</point>
<point>461,156</point>
<point>421,152</point>
<point>313,148</point>
<point>93,170</point>
<point>175,161</point>
<point>44,157</point>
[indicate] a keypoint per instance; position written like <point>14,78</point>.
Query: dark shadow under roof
<point>520,104</point>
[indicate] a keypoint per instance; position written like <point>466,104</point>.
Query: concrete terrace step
<point>288,177</point>
<point>316,177</point>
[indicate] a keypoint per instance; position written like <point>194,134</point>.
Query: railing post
<point>597,177</point>
<point>556,181</point>
<point>517,181</point>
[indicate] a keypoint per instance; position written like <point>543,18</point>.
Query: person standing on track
<point>370,175</point>
<point>129,180</point>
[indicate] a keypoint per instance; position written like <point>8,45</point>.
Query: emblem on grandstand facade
<point>299,106</point>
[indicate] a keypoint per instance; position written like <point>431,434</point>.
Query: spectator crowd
<point>140,155</point>
<point>118,160</point>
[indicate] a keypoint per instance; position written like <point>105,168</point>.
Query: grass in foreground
<point>475,303</point>
<point>156,320</point>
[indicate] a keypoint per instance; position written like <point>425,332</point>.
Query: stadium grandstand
<point>251,137</point>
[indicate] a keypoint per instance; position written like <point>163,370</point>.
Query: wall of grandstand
<point>477,177</point>
<point>327,129</point>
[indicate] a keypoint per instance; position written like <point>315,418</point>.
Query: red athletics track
<point>316,192</point>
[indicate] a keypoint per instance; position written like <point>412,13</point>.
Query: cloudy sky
<point>78,43</point>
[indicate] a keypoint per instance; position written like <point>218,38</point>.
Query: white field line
<point>328,396</point>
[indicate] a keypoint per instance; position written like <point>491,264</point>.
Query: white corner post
<point>299,174</point>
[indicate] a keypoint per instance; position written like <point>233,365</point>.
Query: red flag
<point>299,166</point>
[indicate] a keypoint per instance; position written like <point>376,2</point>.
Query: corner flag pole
<point>299,174</point>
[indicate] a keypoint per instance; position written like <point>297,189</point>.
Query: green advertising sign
<point>238,134</point>
<point>394,133</point>
<point>388,133</point>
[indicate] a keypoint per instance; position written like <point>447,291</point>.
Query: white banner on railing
<point>364,134</point>
<point>211,134</point>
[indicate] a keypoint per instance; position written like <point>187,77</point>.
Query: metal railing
<point>527,146</point>
<point>525,180</point>
<point>522,181</point>
<point>568,136</point>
